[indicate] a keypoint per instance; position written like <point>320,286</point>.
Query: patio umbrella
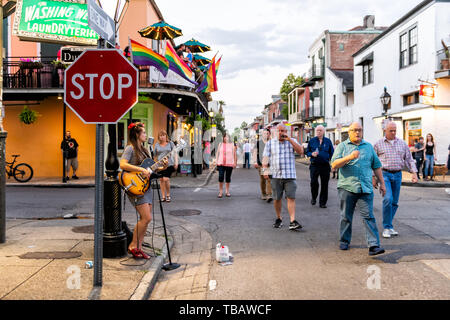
<point>196,46</point>
<point>201,61</point>
<point>160,31</point>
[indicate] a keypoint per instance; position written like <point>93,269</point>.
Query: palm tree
<point>221,104</point>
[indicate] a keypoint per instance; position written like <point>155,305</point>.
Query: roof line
<point>158,12</point>
<point>396,24</point>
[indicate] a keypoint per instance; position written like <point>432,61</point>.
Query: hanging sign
<point>63,21</point>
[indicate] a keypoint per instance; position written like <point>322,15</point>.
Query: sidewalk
<point>179,181</point>
<point>193,250</point>
<point>406,181</point>
<point>60,274</point>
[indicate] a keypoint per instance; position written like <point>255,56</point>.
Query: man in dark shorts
<point>279,154</point>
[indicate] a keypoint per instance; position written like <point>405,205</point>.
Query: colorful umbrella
<point>201,61</point>
<point>160,31</point>
<point>196,46</point>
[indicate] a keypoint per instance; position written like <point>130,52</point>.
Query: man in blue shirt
<point>320,150</point>
<point>356,159</point>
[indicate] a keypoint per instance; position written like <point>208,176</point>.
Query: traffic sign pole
<point>99,172</point>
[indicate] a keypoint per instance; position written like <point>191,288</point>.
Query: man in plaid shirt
<point>394,155</point>
<point>279,154</point>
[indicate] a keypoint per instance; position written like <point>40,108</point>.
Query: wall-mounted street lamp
<point>385,100</point>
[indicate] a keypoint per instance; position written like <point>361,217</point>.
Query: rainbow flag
<point>217,65</point>
<point>177,65</point>
<point>143,56</point>
<point>209,84</point>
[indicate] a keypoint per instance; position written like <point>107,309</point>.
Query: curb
<point>427,185</point>
<point>58,185</point>
<point>148,282</point>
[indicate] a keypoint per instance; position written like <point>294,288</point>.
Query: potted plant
<point>30,64</point>
<point>445,62</point>
<point>28,116</point>
<point>57,64</point>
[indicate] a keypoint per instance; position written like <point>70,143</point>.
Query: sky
<point>262,41</point>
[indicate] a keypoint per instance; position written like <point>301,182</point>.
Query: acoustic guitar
<point>135,183</point>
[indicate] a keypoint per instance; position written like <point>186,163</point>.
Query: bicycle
<point>22,172</point>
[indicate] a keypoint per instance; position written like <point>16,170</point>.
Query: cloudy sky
<point>262,41</point>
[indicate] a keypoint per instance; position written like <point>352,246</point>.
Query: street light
<point>385,100</point>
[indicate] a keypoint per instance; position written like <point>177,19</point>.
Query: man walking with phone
<point>279,153</point>
<point>356,159</point>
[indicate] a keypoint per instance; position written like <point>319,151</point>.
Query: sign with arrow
<point>101,22</point>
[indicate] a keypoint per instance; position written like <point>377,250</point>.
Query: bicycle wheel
<point>23,172</point>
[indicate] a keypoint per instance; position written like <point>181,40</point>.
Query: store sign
<point>64,21</point>
<point>413,125</point>
<point>171,78</point>
<point>315,125</point>
<point>427,94</point>
<point>70,54</point>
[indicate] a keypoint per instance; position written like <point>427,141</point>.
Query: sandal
<point>168,199</point>
<point>163,199</point>
<point>220,196</point>
<point>136,253</point>
<point>228,195</point>
<point>144,255</point>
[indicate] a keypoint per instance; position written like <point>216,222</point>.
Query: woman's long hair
<point>135,131</point>
<point>432,138</point>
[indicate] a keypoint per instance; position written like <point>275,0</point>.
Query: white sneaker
<point>393,232</point>
<point>386,233</point>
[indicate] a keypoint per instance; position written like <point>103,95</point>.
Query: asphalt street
<point>281,264</point>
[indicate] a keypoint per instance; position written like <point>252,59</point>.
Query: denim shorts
<point>289,186</point>
<point>147,197</point>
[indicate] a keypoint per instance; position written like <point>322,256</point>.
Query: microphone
<point>150,141</point>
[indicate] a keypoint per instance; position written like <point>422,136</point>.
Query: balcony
<point>45,76</point>
<point>297,118</point>
<point>316,72</point>
<point>314,112</point>
<point>442,68</point>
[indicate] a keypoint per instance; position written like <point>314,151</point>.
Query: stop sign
<point>101,86</point>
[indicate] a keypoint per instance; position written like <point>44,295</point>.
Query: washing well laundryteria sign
<point>64,21</point>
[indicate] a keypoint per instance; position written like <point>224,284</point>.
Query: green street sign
<point>315,125</point>
<point>62,21</point>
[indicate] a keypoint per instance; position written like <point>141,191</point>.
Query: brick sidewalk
<point>193,250</point>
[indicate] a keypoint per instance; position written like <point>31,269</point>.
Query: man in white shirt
<point>247,149</point>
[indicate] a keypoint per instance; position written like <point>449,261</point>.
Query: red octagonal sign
<point>101,86</point>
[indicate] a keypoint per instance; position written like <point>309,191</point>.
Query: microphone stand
<point>171,265</point>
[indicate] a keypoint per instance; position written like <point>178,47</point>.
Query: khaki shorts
<point>72,163</point>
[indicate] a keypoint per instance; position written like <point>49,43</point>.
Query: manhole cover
<point>83,229</point>
<point>185,212</point>
<point>51,255</point>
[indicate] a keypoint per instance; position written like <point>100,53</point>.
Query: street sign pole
<point>99,170</point>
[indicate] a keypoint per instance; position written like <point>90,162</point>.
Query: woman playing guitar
<point>133,155</point>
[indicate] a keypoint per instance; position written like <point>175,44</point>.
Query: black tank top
<point>429,150</point>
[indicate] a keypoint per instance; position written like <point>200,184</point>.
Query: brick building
<point>330,80</point>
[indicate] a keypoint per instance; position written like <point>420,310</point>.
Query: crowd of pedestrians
<point>359,166</point>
